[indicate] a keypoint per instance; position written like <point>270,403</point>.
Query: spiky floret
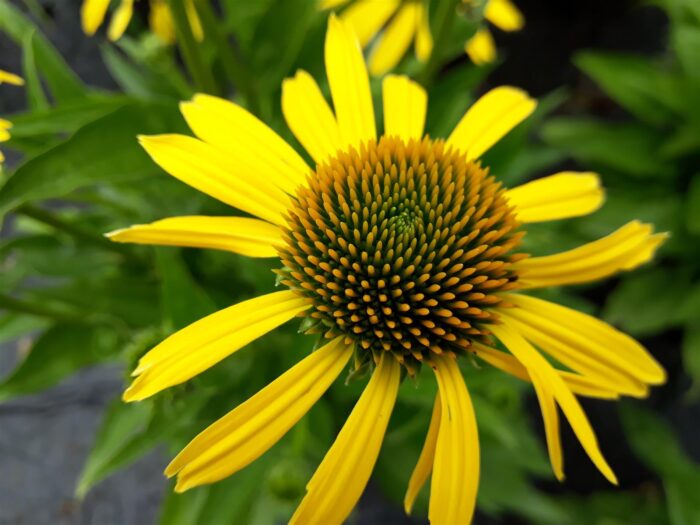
<point>401,247</point>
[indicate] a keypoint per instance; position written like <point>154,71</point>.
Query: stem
<point>235,68</point>
<point>445,17</point>
<point>17,305</point>
<point>201,75</point>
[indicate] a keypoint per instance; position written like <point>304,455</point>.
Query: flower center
<point>401,247</point>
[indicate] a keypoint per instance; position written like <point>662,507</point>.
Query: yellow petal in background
<point>395,40</point>
<point>309,117</point>
<point>549,381</point>
<point>504,15</point>
<point>251,237</point>
<point>92,14</point>
<point>367,17</point>
<point>490,119</point>
<point>349,83</point>
<point>405,106</point>
<point>424,466</point>
<point>560,196</point>
<point>5,126</point>
<point>211,171</point>
<point>193,20</point>
<point>455,479</point>
<point>161,21</point>
<point>340,479</point>
<point>204,343</point>
<point>120,20</point>
<point>248,431</point>
<point>424,38</point>
<point>249,143</point>
<point>625,249</point>
<point>481,48</point>
<point>10,78</point>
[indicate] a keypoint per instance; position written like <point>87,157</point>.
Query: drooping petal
<point>204,343</point>
<point>552,384</point>
<point>212,171</point>
<point>424,466</point>
<point>251,237</point>
<point>490,119</point>
<point>92,14</point>
<point>395,40</point>
<point>10,78</point>
<point>309,117</point>
<point>455,479</point>
<point>560,196</point>
<point>405,106</point>
<point>367,17</point>
<point>504,15</point>
<point>340,479</point>
<point>349,83</point>
<point>120,20</point>
<point>625,249</point>
<point>246,140</point>
<point>550,417</point>
<point>578,384</point>
<point>481,47</point>
<point>584,343</point>
<point>248,431</point>
<point>424,38</point>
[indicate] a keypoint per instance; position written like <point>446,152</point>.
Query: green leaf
<point>648,302</point>
<point>101,152</point>
<point>123,425</point>
<point>183,300</point>
<point>35,92</point>
<point>626,148</point>
<point>59,352</point>
<point>636,83</point>
<point>692,206</point>
<point>685,40</point>
<point>63,83</point>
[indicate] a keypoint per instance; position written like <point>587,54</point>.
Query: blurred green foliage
<point>84,301</point>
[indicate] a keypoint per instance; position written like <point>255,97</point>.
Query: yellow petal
<point>455,479</point>
<point>425,461</point>
<point>560,196</point>
<point>481,48</point>
<point>120,20</point>
<point>4,134</point>
<point>204,343</point>
<point>211,171</point>
<point>349,83</point>
<point>395,40</point>
<point>2,157</point>
<point>247,141</point>
<point>491,118</point>
<point>405,105</point>
<point>625,249</point>
<point>588,337</point>
<point>10,78</point>
<point>193,20</point>
<point>367,17</point>
<point>578,384</point>
<point>504,15</point>
<point>5,124</point>
<point>542,372</point>
<point>248,431</point>
<point>92,14</point>
<point>424,39</point>
<point>550,417</point>
<point>161,21</point>
<point>340,479</point>
<point>309,117</point>
<point>251,237</point>
<point>330,4</point>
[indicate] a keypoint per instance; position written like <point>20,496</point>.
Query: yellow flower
<point>406,22</point>
<point>400,250</point>
<point>10,78</point>
<point>504,15</point>
<point>93,13</point>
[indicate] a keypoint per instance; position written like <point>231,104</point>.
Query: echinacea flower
<point>400,250</point>
<point>505,16</point>
<point>160,19</point>
<point>405,21</point>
